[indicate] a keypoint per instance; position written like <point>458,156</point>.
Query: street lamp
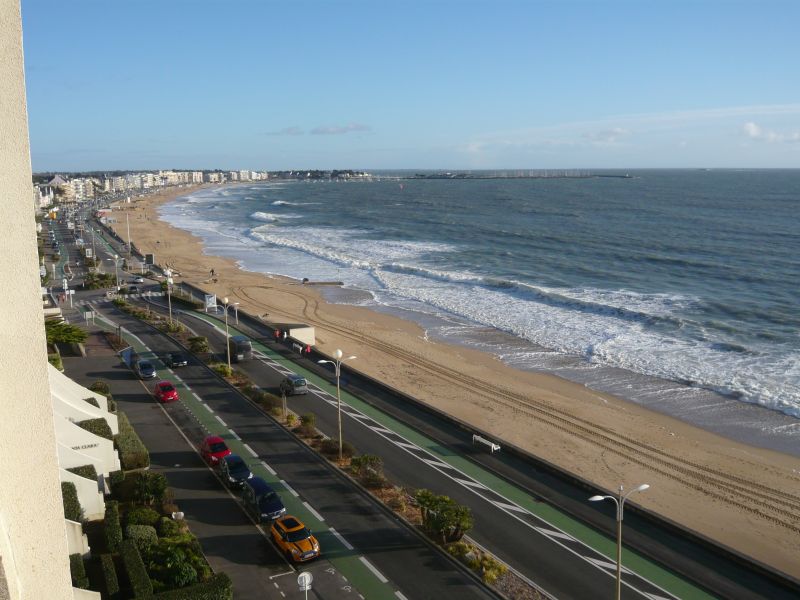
<point>619,501</point>
<point>337,364</point>
<point>168,275</point>
<point>227,335</point>
<point>116,269</point>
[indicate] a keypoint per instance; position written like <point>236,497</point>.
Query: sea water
<point>674,289</point>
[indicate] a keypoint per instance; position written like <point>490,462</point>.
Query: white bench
<point>482,440</point>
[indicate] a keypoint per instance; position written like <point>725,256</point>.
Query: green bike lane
<point>359,572</point>
<point>653,572</point>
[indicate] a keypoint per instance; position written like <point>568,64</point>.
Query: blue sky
<point>412,84</point>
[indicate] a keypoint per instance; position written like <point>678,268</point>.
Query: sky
<point>404,84</point>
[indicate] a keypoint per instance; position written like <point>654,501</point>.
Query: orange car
<point>294,539</point>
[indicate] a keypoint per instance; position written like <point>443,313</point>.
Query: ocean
<point>675,289</point>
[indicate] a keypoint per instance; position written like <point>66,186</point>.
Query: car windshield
<point>218,447</point>
<point>145,366</point>
<point>238,468</point>
<point>167,387</point>
<point>299,535</point>
<point>298,381</point>
<point>268,497</point>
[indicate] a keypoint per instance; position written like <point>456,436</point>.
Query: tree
<point>442,517</point>
<point>63,333</point>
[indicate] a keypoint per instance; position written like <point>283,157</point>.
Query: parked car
<point>213,449</point>
<point>164,391</point>
<point>294,384</point>
<point>176,359</point>
<point>132,289</point>
<point>234,470</point>
<point>294,539</point>
<point>261,501</point>
<point>145,369</point>
<point>240,348</point>
<point>138,280</point>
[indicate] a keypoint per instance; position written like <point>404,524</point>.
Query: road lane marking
<point>339,537</point>
<point>208,408</point>
<point>250,450</point>
<point>289,489</point>
<point>268,468</point>
<point>375,571</point>
<point>234,434</point>
<point>399,595</point>
<point>313,512</point>
<point>223,423</point>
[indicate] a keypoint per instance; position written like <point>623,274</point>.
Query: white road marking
<point>375,571</point>
<point>233,433</point>
<point>268,468</point>
<point>313,512</point>
<point>399,595</point>
<point>470,483</point>
<point>289,488</point>
<point>339,537</point>
<point>223,423</point>
<point>250,450</point>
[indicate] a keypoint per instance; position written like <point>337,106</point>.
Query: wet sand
<point>745,497</point>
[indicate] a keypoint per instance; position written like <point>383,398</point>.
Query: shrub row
<point>78,571</point>
<point>110,575</point>
<point>55,360</point>
<point>132,451</point>
<point>93,401</point>
<point>137,574</point>
<point>101,387</point>
<point>72,506</point>
<point>87,471</point>
<point>98,427</point>
<point>112,526</point>
<point>142,515</point>
<point>219,587</point>
<point>330,447</point>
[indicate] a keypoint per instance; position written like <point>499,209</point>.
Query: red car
<point>164,391</point>
<point>213,448</point>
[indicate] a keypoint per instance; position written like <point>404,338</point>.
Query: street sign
<point>304,580</point>
<point>149,259</point>
<point>211,301</point>
<point>42,271</point>
<point>88,252</point>
<point>64,284</point>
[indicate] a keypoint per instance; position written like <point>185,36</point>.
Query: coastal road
<point>378,555</point>
<point>504,521</point>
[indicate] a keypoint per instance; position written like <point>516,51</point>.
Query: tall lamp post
<point>619,501</point>
<point>227,335</point>
<point>337,364</point>
<point>168,274</point>
<point>116,269</point>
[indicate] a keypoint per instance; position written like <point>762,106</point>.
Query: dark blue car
<point>261,501</point>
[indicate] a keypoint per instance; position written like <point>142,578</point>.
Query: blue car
<point>261,501</point>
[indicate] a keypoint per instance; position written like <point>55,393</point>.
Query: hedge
<point>98,427</point>
<point>141,585</point>
<point>144,536</point>
<point>110,575</point>
<point>167,527</point>
<point>115,478</point>
<point>142,515</point>
<point>132,451</point>
<point>78,572</point>
<point>87,471</point>
<point>219,587</point>
<point>72,506</point>
<point>100,387</point>
<point>93,401</point>
<point>112,526</point>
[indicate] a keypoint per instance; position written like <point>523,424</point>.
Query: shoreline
<point>517,406</point>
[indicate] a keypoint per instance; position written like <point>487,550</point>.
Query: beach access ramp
<point>297,332</point>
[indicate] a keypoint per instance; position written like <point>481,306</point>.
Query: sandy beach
<point>744,497</point>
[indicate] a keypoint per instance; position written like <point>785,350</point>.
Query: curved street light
<point>337,364</point>
<point>619,501</point>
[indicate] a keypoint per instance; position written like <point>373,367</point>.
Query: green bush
<point>112,404</point>
<point>112,526</point>
<point>442,517</point>
<point>144,536</point>
<point>110,576</point>
<point>218,587</point>
<point>92,401</point>
<point>63,332</point>
<point>330,447</point>
<point>132,452</point>
<point>141,585</point>
<point>115,478</point>
<point>222,369</point>
<point>142,515</point>
<point>87,471</point>
<point>368,469</point>
<point>308,425</point>
<point>78,571</point>
<point>72,506</point>
<point>150,487</point>
<point>169,565</point>
<point>198,344</point>
<point>98,427</point>
<point>168,528</point>
<point>100,387</point>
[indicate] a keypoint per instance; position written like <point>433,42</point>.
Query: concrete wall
<point>89,495</point>
<point>77,542</point>
<point>101,451</point>
<point>33,539</point>
<point>74,393</point>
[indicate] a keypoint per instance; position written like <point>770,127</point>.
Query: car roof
<point>290,523</point>
<point>294,376</point>
<point>143,362</point>
<point>259,485</point>
<point>164,382</point>
<point>240,338</point>
<point>214,439</point>
<point>233,458</point>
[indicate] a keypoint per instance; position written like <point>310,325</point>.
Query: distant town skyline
<point>412,85</point>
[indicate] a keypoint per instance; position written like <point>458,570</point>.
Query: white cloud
<point>607,136</point>
<point>756,132</point>
<point>340,129</point>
